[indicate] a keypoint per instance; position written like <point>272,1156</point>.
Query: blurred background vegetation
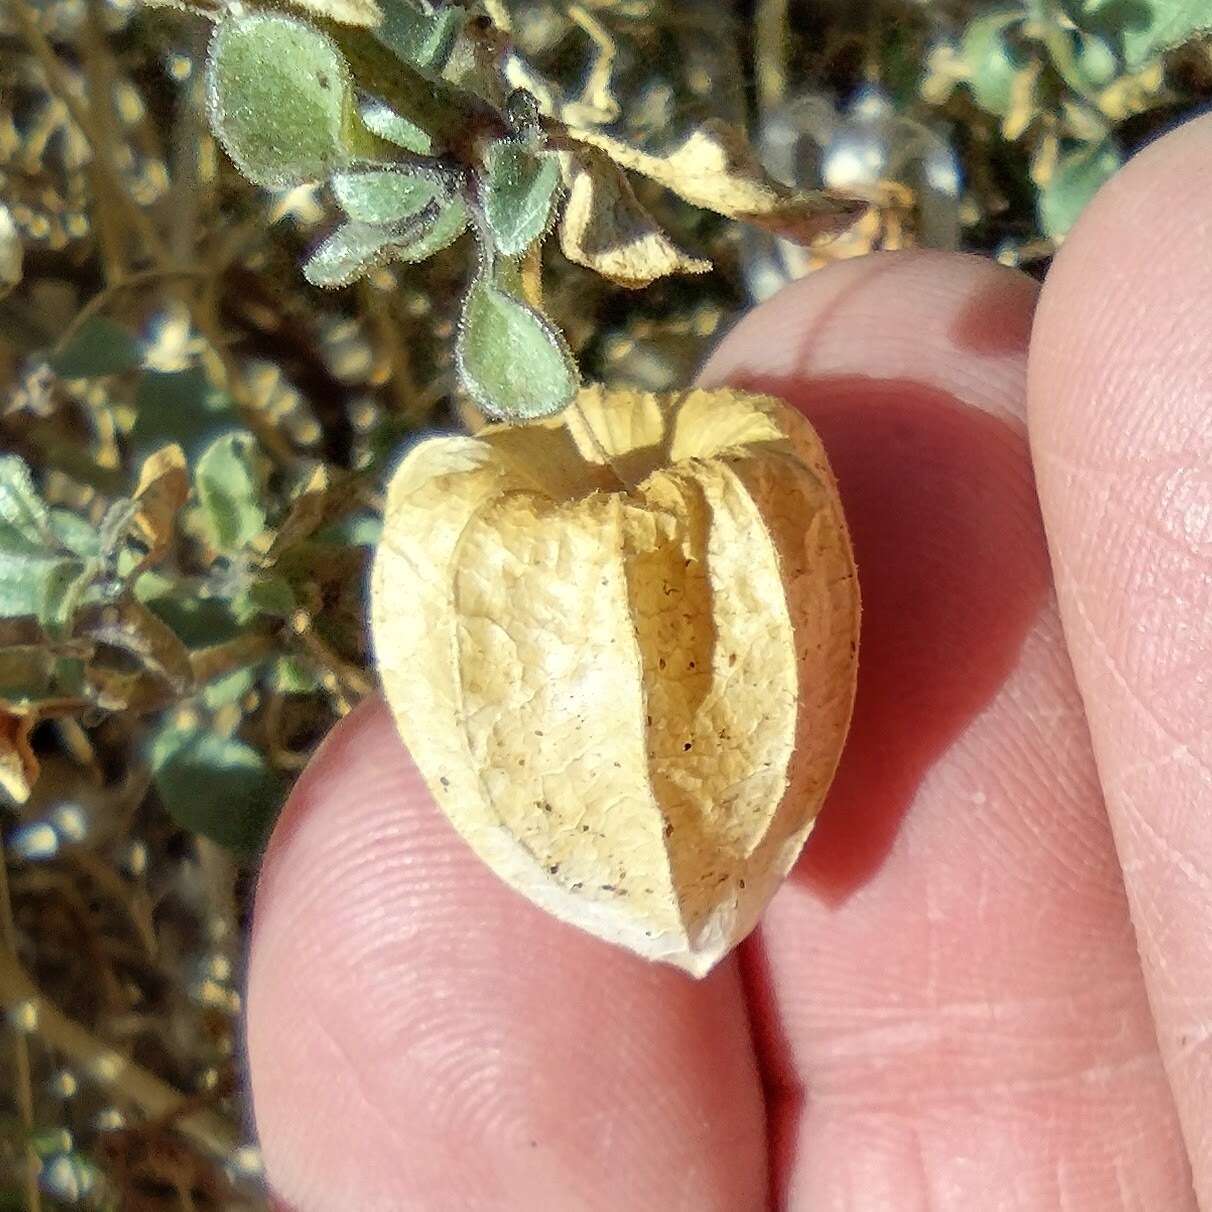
<point>193,443</point>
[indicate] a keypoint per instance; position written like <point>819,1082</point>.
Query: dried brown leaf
<point>161,493</point>
<point>499,15</point>
<point>630,700</point>
<point>607,228</point>
<point>153,666</point>
<point>18,764</point>
<point>12,252</point>
<point>26,664</point>
<point>365,13</point>
<point>323,497</point>
<point>597,103</point>
<point>716,168</point>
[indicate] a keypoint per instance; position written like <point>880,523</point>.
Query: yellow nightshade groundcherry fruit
<point>621,647</point>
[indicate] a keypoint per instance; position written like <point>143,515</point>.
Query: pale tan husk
<point>627,683</point>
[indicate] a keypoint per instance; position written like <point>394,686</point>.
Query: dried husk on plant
<point>621,647</point>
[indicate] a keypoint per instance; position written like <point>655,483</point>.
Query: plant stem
<point>319,651</point>
<point>221,659</point>
<point>531,275</point>
<point>450,115</point>
<point>770,30</point>
<point>25,1092</point>
<point>99,74</point>
<point>188,138</point>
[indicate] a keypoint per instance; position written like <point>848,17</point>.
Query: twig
<point>219,872</point>
<point>204,313</point>
<point>108,1068</point>
<point>99,73</point>
<point>221,659</point>
<point>532,275</point>
<point>327,659</point>
<point>25,1090</point>
<point>770,45</point>
<point>188,137</point>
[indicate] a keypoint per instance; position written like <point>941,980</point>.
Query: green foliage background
<point>194,439</point>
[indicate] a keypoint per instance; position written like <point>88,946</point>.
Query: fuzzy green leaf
<point>100,346</point>
<point>230,688</point>
<point>34,583</point>
<point>991,61</point>
<point>519,191</point>
<point>384,195</point>
<point>1145,28</point>
<point>39,575</point>
<point>280,99</point>
<point>1077,178</point>
<point>357,247</point>
<point>389,125</point>
<point>271,596</point>
<point>231,488</point>
<point>60,592</point>
<point>22,513</point>
<point>348,253</point>
<point>424,39</point>
<point>512,361</point>
<point>216,786</point>
<point>293,676</point>
<point>182,407</point>
<point>451,222</point>
<point>74,533</point>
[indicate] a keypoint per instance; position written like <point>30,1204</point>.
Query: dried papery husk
<point>621,647</point>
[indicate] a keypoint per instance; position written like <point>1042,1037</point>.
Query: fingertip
<point>960,322</point>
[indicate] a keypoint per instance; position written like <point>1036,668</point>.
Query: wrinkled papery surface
<point>629,701</point>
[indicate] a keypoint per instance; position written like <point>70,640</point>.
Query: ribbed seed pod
<point>621,647</point>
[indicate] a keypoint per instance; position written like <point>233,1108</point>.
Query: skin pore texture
<point>988,983</point>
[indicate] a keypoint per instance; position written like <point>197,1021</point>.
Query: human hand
<point>945,1006</point>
